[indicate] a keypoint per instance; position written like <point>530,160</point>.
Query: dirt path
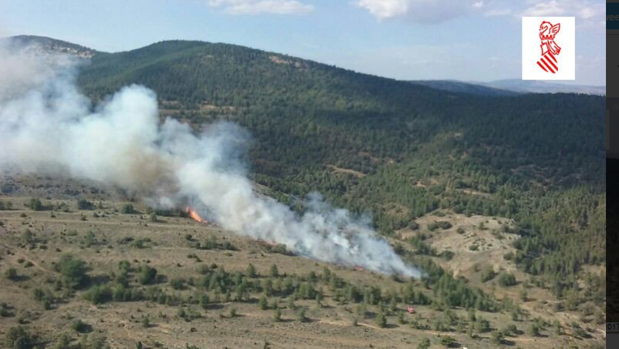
<point>18,252</point>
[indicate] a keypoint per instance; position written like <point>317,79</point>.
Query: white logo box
<point>532,50</point>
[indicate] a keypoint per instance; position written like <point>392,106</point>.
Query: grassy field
<point>35,294</point>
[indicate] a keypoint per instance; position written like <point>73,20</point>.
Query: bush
<point>178,284</point>
<point>277,315</point>
<point>147,275</point>
<point>80,326</point>
<point>487,274</point>
<point>274,272</point>
<point>497,337</point>
<point>424,344</point>
<point>127,209</point>
<point>447,255</point>
<point>85,205</point>
<point>251,271</point>
<point>11,274</point>
<point>35,205</point>
<point>482,325</point>
<point>507,279</point>
<point>534,330</point>
<point>75,271</point>
<point>381,320</point>
<point>98,294</point>
<point>204,300</point>
<point>19,338</point>
<point>263,303</point>
<point>153,217</point>
<point>444,225</point>
<point>447,341</point>
<point>301,314</point>
<point>64,342</point>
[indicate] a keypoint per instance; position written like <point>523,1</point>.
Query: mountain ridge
<point>504,87</point>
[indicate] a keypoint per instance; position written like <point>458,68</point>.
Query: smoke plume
<point>48,126</point>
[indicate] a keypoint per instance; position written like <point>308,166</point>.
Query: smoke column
<point>48,126</point>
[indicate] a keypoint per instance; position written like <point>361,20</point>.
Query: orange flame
<point>194,215</point>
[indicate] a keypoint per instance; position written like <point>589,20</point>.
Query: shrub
<point>507,279</point>
<point>19,338</point>
<point>35,205</point>
<point>127,209</point>
<point>482,325</point>
<point>11,274</point>
<point>487,274</point>
<point>263,303</point>
<point>424,344</point>
<point>277,315</point>
<point>274,272</point>
<point>85,205</point>
<point>98,294</point>
<point>444,225</point>
<point>447,341</point>
<point>75,271</point>
<point>381,320</point>
<point>534,330</point>
<point>178,284</point>
<point>204,300</point>
<point>251,271</point>
<point>147,275</point>
<point>64,342</point>
<point>80,326</point>
<point>447,255</point>
<point>301,314</point>
<point>497,337</point>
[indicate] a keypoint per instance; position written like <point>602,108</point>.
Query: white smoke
<point>48,126</point>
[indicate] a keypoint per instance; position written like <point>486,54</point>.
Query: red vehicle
<point>410,309</point>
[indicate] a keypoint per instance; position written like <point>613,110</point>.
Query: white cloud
<point>257,7</point>
<point>428,11</point>
<point>587,12</point>
<point>498,12</point>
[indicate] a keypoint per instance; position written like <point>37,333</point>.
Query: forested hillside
<point>394,149</point>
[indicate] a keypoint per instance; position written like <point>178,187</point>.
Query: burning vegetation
<point>191,213</point>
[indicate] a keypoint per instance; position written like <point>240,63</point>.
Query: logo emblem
<point>548,48</point>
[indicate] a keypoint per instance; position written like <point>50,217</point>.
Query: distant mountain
<point>53,45</point>
<point>526,86</point>
<point>509,87</point>
<point>465,87</point>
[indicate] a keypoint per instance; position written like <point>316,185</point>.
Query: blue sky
<point>472,40</point>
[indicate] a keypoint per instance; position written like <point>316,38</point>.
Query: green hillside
<point>395,149</point>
